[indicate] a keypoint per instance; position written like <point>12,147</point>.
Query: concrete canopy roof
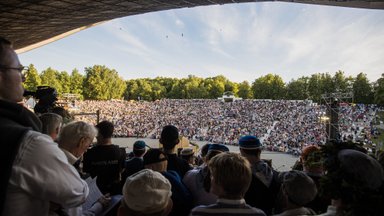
<point>33,23</point>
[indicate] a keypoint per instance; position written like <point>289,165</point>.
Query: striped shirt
<point>227,207</point>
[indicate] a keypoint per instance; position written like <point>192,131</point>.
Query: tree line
<point>102,83</point>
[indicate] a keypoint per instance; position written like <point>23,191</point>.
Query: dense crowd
<point>282,125</point>
<point>51,167</point>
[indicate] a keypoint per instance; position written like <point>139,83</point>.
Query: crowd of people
<point>46,159</point>
<point>282,125</point>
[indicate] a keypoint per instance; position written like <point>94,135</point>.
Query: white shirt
<point>41,174</point>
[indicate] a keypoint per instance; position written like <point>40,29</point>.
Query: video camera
<point>47,97</point>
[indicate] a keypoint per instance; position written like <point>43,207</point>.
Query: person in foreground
<point>230,178</point>
<point>297,190</point>
<point>146,193</point>
<point>35,171</point>
<point>354,181</point>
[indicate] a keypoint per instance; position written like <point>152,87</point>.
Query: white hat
<point>147,191</point>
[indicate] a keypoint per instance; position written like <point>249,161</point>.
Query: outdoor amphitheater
<point>284,127</point>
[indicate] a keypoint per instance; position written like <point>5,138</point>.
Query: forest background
<point>102,83</point>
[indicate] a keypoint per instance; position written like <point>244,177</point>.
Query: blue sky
<point>240,41</point>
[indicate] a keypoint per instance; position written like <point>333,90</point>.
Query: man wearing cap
<point>264,186</point>
<point>136,163</point>
<point>34,171</point>
<point>146,192</point>
<point>105,160</point>
<point>156,160</point>
<point>169,138</point>
<point>297,190</point>
<point>188,155</point>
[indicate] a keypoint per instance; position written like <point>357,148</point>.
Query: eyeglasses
<point>22,69</point>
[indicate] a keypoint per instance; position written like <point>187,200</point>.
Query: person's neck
<point>106,141</point>
<point>170,151</point>
<point>252,159</point>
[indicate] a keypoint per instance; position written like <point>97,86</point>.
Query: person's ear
<point>82,142</point>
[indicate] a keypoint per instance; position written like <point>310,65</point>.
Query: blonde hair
<point>232,172</point>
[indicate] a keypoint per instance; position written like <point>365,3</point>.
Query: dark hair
<point>105,129</point>
<point>138,152</point>
<point>169,137</point>
<point>204,150</point>
<point>153,156</point>
<point>254,152</point>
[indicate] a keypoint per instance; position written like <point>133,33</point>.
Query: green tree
<point>132,90</point>
<point>269,87</point>
<point>158,90</point>
<point>362,89</point>
<point>214,87</point>
<point>144,90</point>
<point>245,91</point>
<point>65,81</point>
<point>102,83</point>
<point>379,91</point>
<point>77,81</point>
<point>50,77</point>
<point>298,89</point>
<point>327,84</point>
<point>341,83</point>
<point>32,79</point>
<point>177,90</point>
<point>193,87</point>
<point>231,86</point>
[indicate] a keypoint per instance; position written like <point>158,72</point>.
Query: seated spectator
<point>156,160</point>
<point>202,154</point>
<point>51,123</point>
<point>297,190</point>
<point>264,186</point>
<point>188,155</point>
<point>136,163</point>
<point>354,181</point>
<point>169,139</point>
<point>146,193</point>
<point>105,160</point>
<point>231,177</point>
<point>313,166</point>
<point>198,180</point>
<point>74,140</point>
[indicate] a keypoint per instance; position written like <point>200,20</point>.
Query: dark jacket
<point>177,164</point>
<point>181,196</point>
